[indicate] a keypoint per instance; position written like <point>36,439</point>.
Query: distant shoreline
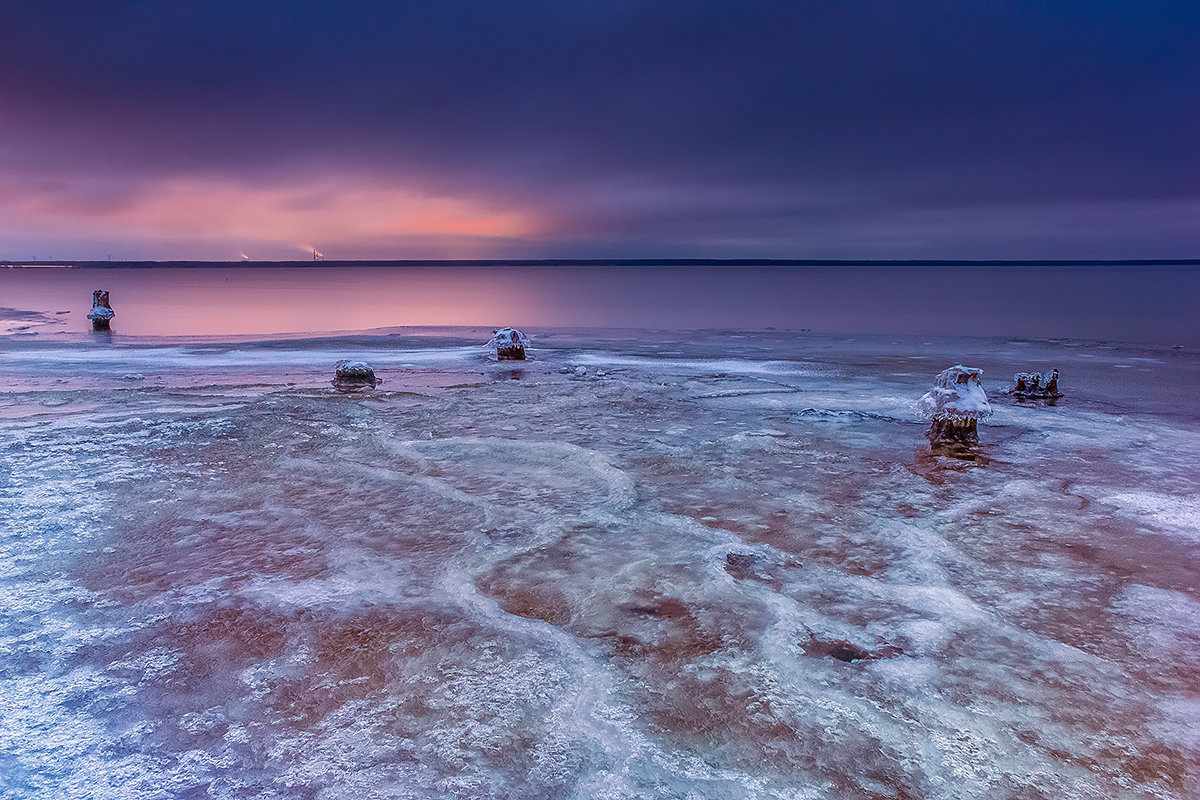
<point>620,262</point>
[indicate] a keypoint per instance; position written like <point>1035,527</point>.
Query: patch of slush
<point>1173,514</point>
<point>676,366</point>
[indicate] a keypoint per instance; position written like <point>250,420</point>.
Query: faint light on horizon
<point>207,209</point>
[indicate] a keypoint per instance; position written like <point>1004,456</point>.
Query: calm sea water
<point>642,564</point>
<point>1126,304</point>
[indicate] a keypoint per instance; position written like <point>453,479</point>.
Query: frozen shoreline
<point>1134,378</point>
<point>640,564</point>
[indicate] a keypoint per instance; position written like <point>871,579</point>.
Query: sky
<point>206,129</point>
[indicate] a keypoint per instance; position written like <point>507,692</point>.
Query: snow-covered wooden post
<point>354,376</point>
<point>509,343</point>
<point>954,406</point>
<point>101,312</point>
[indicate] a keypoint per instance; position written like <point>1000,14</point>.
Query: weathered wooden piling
<point>101,313</point>
<point>354,376</point>
<point>510,344</point>
<point>954,406</point>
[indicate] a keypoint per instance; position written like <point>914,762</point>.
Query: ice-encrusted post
<point>101,313</point>
<point>1051,387</point>
<point>954,406</point>
<point>509,343</point>
<point>1036,385</point>
<point>354,376</point>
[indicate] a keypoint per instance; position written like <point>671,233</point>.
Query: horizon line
<point>592,262</point>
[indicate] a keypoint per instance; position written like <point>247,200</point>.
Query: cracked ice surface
<point>230,581</point>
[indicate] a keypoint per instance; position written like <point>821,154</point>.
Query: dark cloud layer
<point>787,129</point>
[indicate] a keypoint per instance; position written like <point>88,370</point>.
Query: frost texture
<point>508,337</point>
<point>957,394</point>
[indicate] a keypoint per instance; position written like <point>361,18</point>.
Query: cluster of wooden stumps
<point>1036,385</point>
<point>956,404</point>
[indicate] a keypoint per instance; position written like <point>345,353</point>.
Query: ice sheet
<point>733,569</point>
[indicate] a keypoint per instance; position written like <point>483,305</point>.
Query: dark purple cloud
<point>786,129</point>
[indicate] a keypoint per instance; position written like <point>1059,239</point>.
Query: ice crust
<point>608,595</point>
<point>100,312</point>
<point>508,337</point>
<point>957,394</point>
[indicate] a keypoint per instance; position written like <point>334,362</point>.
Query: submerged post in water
<point>509,343</point>
<point>101,313</point>
<point>354,376</point>
<point>954,406</point>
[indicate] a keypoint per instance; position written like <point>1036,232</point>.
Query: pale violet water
<point>638,565</point>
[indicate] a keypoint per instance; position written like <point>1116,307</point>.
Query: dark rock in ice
<point>1035,385</point>
<point>510,344</point>
<point>661,608</point>
<point>102,312</point>
<point>846,651</point>
<point>741,565</point>
<point>834,412</point>
<point>954,406</point>
<point>758,567</point>
<point>354,376</point>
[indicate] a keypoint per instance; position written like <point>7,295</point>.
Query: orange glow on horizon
<point>206,209</point>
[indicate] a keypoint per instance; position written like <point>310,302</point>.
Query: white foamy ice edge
<point>703,366</point>
<point>164,359</point>
<point>1175,515</point>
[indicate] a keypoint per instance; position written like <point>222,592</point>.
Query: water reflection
<point>1142,304</point>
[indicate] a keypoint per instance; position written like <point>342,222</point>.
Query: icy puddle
<point>715,567</point>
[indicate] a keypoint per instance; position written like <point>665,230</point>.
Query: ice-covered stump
<point>954,406</point>
<point>101,313</point>
<point>510,344</point>
<point>354,376</point>
<point>1036,385</point>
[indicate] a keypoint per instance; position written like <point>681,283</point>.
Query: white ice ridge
<point>508,337</point>
<point>957,393</point>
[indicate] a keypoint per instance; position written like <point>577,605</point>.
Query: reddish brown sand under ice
<point>721,566</point>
